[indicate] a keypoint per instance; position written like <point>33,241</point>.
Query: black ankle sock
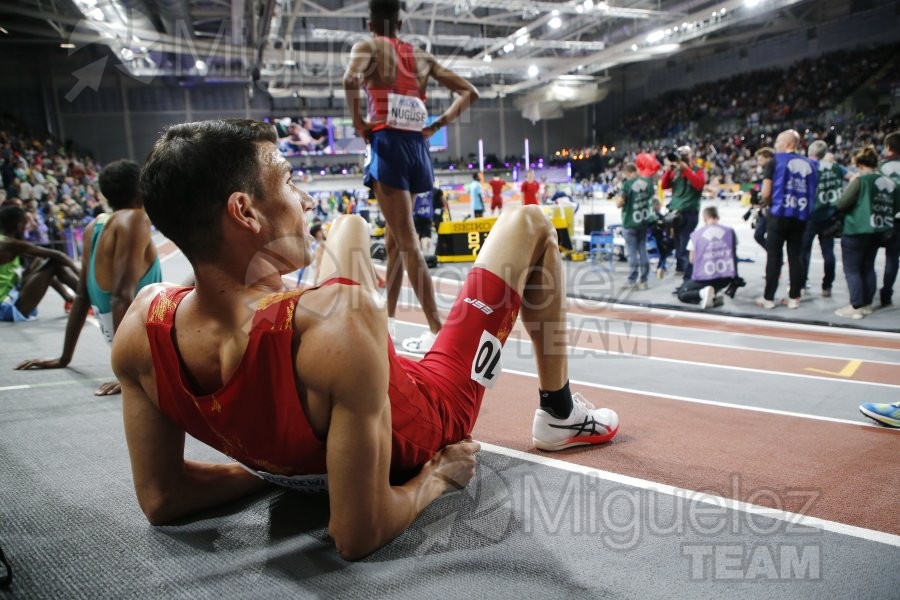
<point>558,403</point>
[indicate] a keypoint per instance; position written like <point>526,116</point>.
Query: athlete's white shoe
<point>421,344</point>
<point>586,425</point>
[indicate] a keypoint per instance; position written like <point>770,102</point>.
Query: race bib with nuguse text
<point>406,112</point>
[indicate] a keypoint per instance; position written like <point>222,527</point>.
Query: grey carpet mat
<point>71,526</point>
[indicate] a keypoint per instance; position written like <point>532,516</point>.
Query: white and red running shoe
<point>586,426</point>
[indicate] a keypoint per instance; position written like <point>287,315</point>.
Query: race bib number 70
<point>486,366</point>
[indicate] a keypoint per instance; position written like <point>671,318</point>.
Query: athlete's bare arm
<point>354,411</point>
<point>359,71</point>
<point>11,248</point>
<point>168,487</point>
<point>366,511</point>
<point>466,93</point>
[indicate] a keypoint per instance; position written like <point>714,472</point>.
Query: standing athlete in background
<point>394,75</point>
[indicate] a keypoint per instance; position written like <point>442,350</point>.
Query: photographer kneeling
<point>714,259</point>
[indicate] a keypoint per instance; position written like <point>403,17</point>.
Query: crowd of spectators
<point>771,97</point>
<point>57,188</point>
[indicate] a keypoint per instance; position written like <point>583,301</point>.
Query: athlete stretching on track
<point>260,373</point>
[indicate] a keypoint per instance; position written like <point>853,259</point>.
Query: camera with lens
<point>682,153</point>
<point>736,283</point>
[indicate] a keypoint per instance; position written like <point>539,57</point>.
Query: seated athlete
<point>261,374</point>
<point>21,290</point>
<point>119,259</point>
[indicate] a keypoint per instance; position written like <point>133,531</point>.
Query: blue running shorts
<point>399,159</point>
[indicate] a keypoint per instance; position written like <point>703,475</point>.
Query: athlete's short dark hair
<point>711,212</point>
<point>119,181</point>
<point>382,12</point>
<point>190,173</point>
<point>10,217</point>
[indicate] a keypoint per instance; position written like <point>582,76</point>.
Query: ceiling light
<point>66,45</point>
<point>555,23</point>
<point>655,36</point>
<point>521,31</point>
<point>634,47</point>
<point>579,9</point>
<point>201,66</point>
<point>521,40</point>
<point>96,14</point>
<point>751,3</point>
<point>664,49</point>
<point>126,53</point>
<point>555,13</point>
<point>3,31</point>
<point>509,47</point>
<point>487,58</point>
<point>533,71</point>
<point>588,4</point>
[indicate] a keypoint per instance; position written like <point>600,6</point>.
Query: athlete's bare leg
<point>396,206</point>
<point>394,278</point>
<point>347,253</point>
<point>522,249</point>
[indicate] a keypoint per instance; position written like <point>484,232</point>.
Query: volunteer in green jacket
<point>828,190</point>
<point>636,203</point>
<point>870,203</point>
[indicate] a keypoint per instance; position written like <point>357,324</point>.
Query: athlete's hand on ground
<point>110,388</point>
<point>454,465</point>
<point>42,363</point>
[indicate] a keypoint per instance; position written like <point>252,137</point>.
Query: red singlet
<point>405,83</point>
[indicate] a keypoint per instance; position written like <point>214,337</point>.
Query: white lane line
<point>651,325</point>
<point>628,390</point>
<point>795,519</point>
<point>785,352</point>
<point>678,361</point>
<point>771,411</point>
<point>9,388</point>
<point>641,310</point>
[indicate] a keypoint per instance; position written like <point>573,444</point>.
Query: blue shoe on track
<point>886,414</point>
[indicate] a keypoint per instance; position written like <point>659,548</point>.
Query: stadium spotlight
<point>555,23</point>
<point>532,71</point>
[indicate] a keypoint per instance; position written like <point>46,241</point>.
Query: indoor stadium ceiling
<point>298,47</point>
